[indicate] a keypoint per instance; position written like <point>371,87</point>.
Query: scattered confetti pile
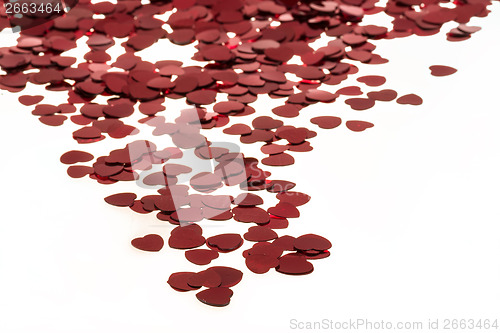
<point>244,49</point>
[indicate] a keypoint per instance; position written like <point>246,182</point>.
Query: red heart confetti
<point>253,62</point>
<point>76,156</point>
<point>260,234</point>
<point>225,242</point>
<point>372,80</point>
<point>201,256</point>
<point>30,100</point>
<point>151,243</point>
<point>79,171</point>
<point>358,125</point>
<point>219,296</point>
<point>360,104</point>
<point>312,242</point>
<point>438,70</point>
<point>385,95</point>
<point>178,281</point>
<point>294,265</point>
<point>350,91</point>
<point>327,122</point>
<point>410,99</point>
<point>121,199</point>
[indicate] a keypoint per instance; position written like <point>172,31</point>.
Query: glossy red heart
<point>151,243</point>
<point>358,125</point>
<point>218,296</point>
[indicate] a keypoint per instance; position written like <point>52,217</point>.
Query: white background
<point>411,206</point>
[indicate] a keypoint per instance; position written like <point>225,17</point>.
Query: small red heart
<point>311,58</point>
<point>260,234</point>
<point>121,199</point>
<point>360,104</point>
<point>372,80</point>
<point>79,171</point>
<point>282,159</point>
<point>312,242</point>
<point>178,281</point>
<point>186,237</point>
<point>30,100</point>
<point>225,242</point>
<point>53,120</point>
<point>218,296</point>
<point>410,99</point>
<point>250,214</point>
<point>248,199</point>
<point>352,38</point>
<point>358,125</point>
<point>122,131</point>
<point>201,256</point>
<point>284,209</point>
<point>293,198</point>
<point>266,123</point>
<point>151,243</point>
<point>281,53</point>
<point>327,122</point>
<point>288,110</point>
<point>385,95</point>
<point>321,95</point>
<point>75,156</point>
<point>294,265</point>
<point>350,91</point>
<point>438,70</point>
